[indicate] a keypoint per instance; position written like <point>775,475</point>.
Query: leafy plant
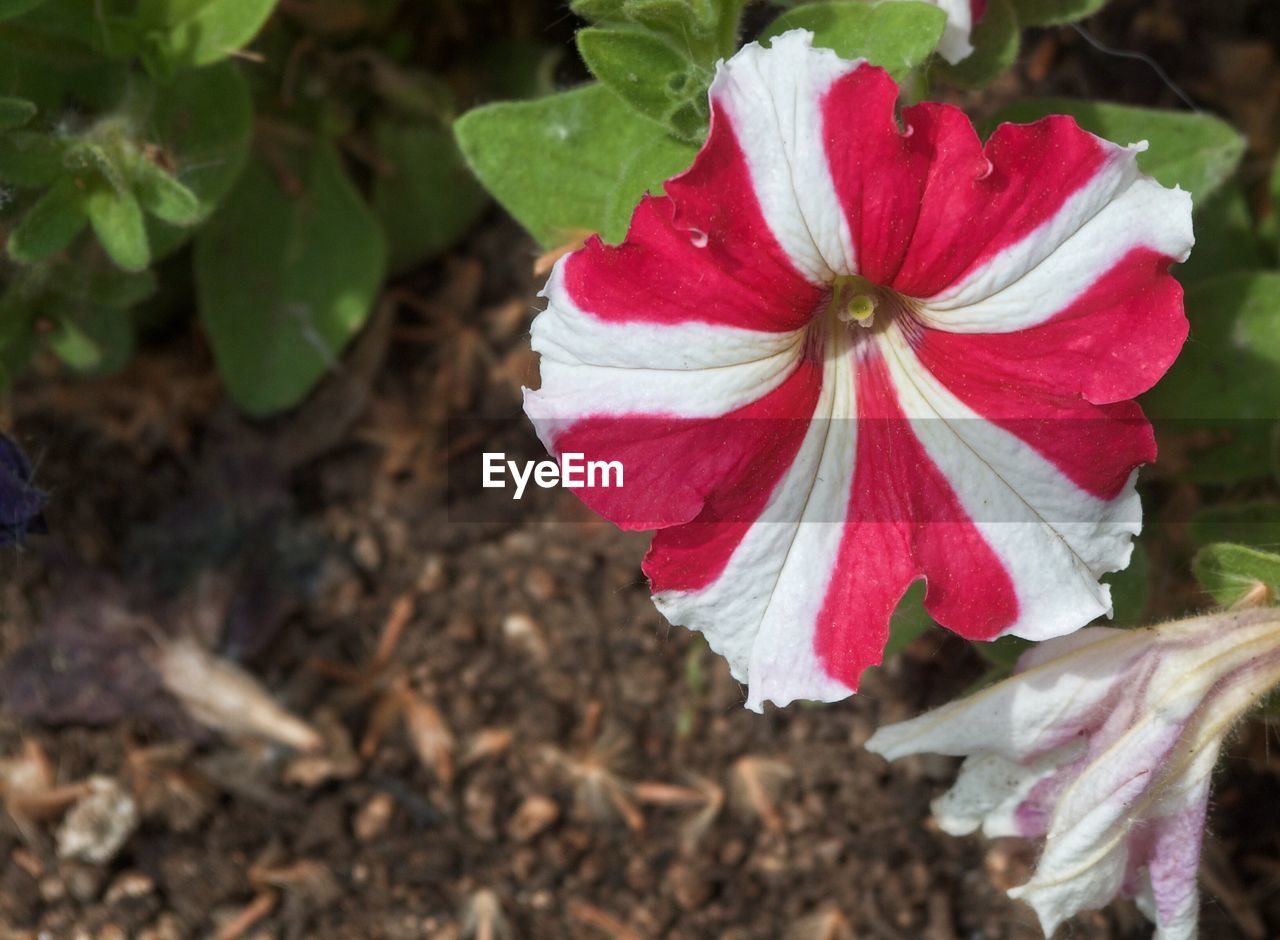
<point>131,129</point>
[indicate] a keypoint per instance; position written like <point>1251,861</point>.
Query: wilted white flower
<point>1103,742</point>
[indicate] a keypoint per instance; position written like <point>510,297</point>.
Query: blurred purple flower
<point>21,503</point>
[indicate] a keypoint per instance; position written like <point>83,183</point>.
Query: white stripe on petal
<point>1053,538</point>
<point>990,788</point>
<point>761,613</point>
<point>591,366</point>
<point>773,99</point>
<point>1029,282</point>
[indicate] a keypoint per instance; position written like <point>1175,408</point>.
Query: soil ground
<point>515,741</point>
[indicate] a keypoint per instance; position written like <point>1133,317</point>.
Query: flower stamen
<point>854,300</point>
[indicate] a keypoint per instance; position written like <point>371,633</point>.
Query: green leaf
<point>166,14</point>
<point>120,290</point>
<point>117,220</point>
<point>12,8</point>
<point>202,121</point>
<point>1195,151</point>
<point>996,40</point>
<point>704,29</point>
<point>190,34</point>
<point>50,224</point>
<point>897,34</point>
<point>29,159</point>
<point>74,347</point>
<point>570,163</point>
<point>1130,589</point>
<point>1053,12</point>
<point>909,622</point>
<point>1235,573</point>
<point>429,199</point>
<point>1225,238</point>
<point>54,58</point>
<point>92,340</point>
<point>283,282</point>
<point>1254,523</point>
<point>1226,380</point>
<point>1002,654</point>
<point>649,75</point>
<point>163,196</point>
<point>598,11</point>
<point>14,112</point>
<point>64,33</point>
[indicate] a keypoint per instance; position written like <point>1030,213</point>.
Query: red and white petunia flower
<point>841,355</point>
<point>962,17</point>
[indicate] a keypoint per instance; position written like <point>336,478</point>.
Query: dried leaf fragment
<point>221,695</point>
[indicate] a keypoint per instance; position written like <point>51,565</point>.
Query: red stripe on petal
<point>929,203</point>
<point>752,454</point>
<point>1063,386</point>
<point>977,9</point>
<point>979,203</point>
<point>879,174</point>
<point>904,522</point>
<point>681,470</point>
<point>702,253</point>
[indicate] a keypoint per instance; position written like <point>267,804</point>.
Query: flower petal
<point>773,99</point>
<point>1118,214</point>
<point>989,791</point>
<point>1053,538</point>
<point>904,521</point>
<point>1069,686</point>
<point>955,45</point>
<point>756,587</point>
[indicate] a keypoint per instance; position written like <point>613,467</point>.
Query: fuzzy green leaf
<point>897,34</point>
<point>202,121</point>
<point>1195,151</point>
<point>191,33</point>
<point>284,282</point>
<point>117,220</point>
<point>49,225</point>
<point>648,74</point>
<point>1232,573</point>
<point>571,163</point>
<point>163,196</point>
<point>703,29</point>
<point>430,198</point>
